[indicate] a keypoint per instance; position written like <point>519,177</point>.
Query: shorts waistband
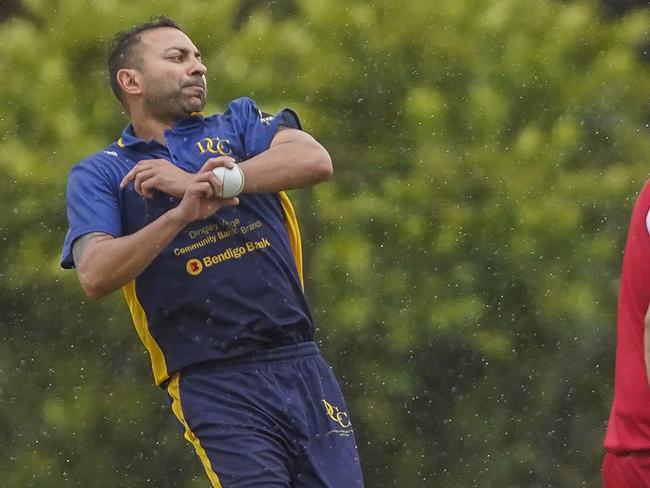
<point>282,353</point>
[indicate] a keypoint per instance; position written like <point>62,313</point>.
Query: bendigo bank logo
<point>214,145</point>
<point>194,267</point>
<point>336,415</point>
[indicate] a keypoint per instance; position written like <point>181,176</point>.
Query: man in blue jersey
<point>214,285</point>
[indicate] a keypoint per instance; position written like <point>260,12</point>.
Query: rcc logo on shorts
<point>336,415</point>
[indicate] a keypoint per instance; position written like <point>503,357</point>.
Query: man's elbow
<point>91,286</point>
<point>322,164</point>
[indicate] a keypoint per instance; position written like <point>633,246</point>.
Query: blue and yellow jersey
<point>226,287</point>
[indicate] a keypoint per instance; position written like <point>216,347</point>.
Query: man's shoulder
<point>642,199</point>
<point>236,106</point>
<point>245,108</point>
<point>241,102</point>
<point>105,161</point>
<point>107,154</point>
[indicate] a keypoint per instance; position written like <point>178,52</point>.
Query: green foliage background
<point>462,264</point>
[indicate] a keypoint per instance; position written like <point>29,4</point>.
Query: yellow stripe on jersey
<point>158,364</point>
<point>174,391</point>
<point>291,222</point>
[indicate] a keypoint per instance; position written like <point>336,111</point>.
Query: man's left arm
<point>293,160</point>
<point>646,343</point>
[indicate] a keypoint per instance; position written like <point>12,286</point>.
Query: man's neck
<point>149,129</point>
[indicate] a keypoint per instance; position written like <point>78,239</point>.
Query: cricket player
<point>214,285</point>
<point>627,442</point>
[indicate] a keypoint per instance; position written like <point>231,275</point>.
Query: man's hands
<point>104,263</point>
<point>159,174</point>
<point>198,192</point>
<point>200,198</point>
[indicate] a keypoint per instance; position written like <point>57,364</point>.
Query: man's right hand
<point>200,199</point>
<point>157,174</point>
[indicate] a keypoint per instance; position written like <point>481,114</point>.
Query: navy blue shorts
<point>277,420</point>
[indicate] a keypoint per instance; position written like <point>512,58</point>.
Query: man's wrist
<point>176,218</point>
<point>185,182</point>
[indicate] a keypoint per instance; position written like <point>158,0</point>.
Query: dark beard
<point>171,106</point>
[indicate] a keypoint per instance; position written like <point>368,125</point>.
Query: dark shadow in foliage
<point>279,9</point>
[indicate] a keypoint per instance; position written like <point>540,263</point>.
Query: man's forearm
<point>108,263</point>
<point>294,160</point>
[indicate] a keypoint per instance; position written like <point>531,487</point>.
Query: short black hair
<point>122,50</point>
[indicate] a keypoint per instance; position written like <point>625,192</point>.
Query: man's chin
<point>195,104</point>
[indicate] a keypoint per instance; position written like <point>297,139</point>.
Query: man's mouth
<point>196,83</point>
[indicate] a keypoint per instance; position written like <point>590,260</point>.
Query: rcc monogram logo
<point>336,415</point>
<point>214,145</point>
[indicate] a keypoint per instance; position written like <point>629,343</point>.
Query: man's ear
<point>129,81</point>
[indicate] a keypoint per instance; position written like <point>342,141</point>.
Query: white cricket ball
<point>232,180</point>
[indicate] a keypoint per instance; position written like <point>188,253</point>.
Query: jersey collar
<point>129,139</point>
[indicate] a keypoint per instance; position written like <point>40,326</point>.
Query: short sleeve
<point>92,206</point>
<point>255,128</point>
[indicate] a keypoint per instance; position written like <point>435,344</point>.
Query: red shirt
<point>629,421</point>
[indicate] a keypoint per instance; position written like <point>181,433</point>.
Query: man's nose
<point>198,68</point>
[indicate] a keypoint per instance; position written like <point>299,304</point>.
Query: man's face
<point>172,74</point>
